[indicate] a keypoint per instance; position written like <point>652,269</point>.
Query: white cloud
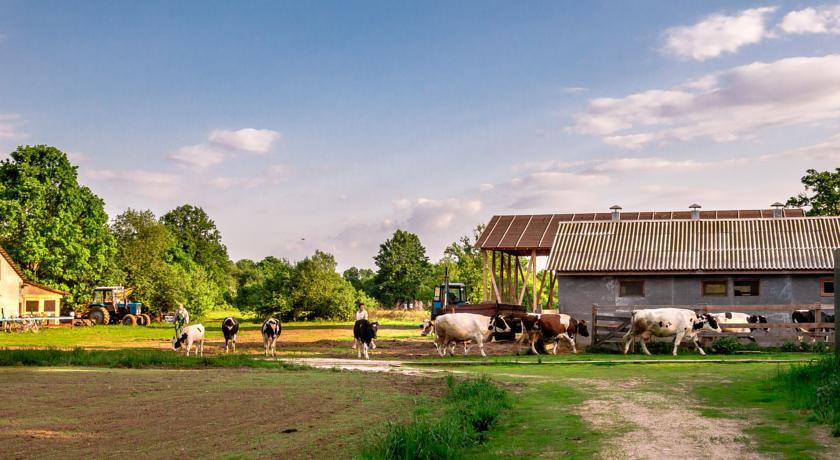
<point>573,89</point>
<point>198,155</point>
<point>273,175</point>
<point>651,164</point>
<point>77,158</point>
<point>152,184</point>
<point>717,34</point>
<point>812,21</point>
<point>246,139</point>
<point>557,180</point>
<point>724,106</point>
<point>10,126</point>
<point>436,215</point>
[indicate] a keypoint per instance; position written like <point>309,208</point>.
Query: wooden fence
<point>610,323</point>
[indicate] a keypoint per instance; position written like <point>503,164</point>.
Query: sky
<point>327,125</point>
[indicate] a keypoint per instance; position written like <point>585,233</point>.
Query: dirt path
<point>656,425</point>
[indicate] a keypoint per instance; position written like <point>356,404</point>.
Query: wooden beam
<point>542,285</point>
<point>534,279</point>
<point>483,275</point>
<point>493,278</point>
<point>524,284</point>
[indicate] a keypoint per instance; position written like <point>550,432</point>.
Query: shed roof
<point>802,244</point>
<point>524,233</point>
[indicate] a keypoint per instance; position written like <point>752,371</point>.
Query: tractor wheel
<point>79,323</point>
<point>141,320</point>
<point>129,320</point>
<point>99,315</point>
<point>89,322</point>
<point>148,318</point>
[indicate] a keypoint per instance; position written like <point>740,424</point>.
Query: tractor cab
<point>456,294</point>
<point>110,305</point>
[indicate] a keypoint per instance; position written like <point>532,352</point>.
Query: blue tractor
<point>448,294</point>
<point>110,305</point>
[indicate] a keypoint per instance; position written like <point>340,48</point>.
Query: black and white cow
<point>668,322</point>
<point>364,332</point>
<point>809,317</point>
<point>725,319</point>
<point>230,327</point>
<point>271,330</point>
<point>190,335</point>
<point>454,328</point>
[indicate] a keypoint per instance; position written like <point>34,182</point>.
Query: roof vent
<point>695,211</point>
<point>778,210</point>
<point>616,212</point>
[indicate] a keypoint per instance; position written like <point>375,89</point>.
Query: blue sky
<point>330,124</point>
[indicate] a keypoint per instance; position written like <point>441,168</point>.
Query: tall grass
<point>127,359</point>
<point>815,386</point>
<point>470,409</point>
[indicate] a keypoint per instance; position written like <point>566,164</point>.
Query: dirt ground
<point>98,413</point>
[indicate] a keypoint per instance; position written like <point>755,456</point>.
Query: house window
<point>715,288</point>
<point>631,288</point>
<point>49,306</point>
<point>31,306</point>
<point>827,287</point>
<point>745,288</point>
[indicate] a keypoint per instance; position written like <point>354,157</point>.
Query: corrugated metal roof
<point>796,244</point>
<point>525,233</point>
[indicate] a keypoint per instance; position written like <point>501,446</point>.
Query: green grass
<point>128,359</point>
<point>814,386</point>
<point>471,408</point>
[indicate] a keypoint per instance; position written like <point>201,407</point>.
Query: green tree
<point>362,279</point>
<point>199,243</point>
<point>318,291</point>
<point>143,255</point>
<point>403,266</point>
<point>53,227</point>
<point>822,193</point>
<point>464,262</point>
<point>263,286</point>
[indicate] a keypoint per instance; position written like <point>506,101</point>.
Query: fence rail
<point>610,323</point>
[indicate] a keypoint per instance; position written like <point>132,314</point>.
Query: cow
<point>729,317</point>
<point>230,327</point>
<point>364,332</point>
<point>428,327</point>
<point>190,335</point>
<point>667,322</point>
<point>557,327</point>
<point>807,317</point>
<point>271,330</point>
<point>453,328</point>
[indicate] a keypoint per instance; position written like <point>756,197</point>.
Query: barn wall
<point>9,289</point>
<point>576,294</point>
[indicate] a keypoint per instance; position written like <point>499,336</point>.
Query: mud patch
<point>655,426</point>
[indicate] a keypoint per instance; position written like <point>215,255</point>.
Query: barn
<point>737,257</point>
<point>21,297</point>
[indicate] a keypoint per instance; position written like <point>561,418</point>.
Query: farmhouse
<point>747,257</point>
<point>20,297</point>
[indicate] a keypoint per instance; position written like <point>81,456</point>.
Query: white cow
<point>190,335</point>
<point>667,322</point>
<point>453,328</point>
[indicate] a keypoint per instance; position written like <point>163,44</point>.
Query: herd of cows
<point>451,329</point>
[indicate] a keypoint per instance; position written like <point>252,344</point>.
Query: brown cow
<point>556,327</point>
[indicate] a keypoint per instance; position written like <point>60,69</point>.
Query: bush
<point>789,346</point>
<point>472,407</point>
<point>727,345</point>
<point>815,386</point>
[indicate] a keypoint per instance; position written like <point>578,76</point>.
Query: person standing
<point>182,319</point>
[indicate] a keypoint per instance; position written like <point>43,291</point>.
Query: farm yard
<point>559,409</point>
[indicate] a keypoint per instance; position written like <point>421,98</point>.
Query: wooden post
<point>594,324</point>
<point>509,296</point>
<point>534,279</point>
<point>538,307</point>
<point>524,283</point>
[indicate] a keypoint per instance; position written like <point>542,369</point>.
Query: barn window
<point>31,306</point>
<point>745,288</point>
<point>631,288</point>
<point>49,306</point>
<point>827,287</point>
<point>715,288</point>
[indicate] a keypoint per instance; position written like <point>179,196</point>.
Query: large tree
<point>822,193</point>
<point>199,242</point>
<point>362,279</point>
<point>53,227</point>
<point>403,265</point>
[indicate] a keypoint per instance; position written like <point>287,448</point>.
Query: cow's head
<point>757,319</point>
<point>427,327</point>
<point>582,329</point>
<point>178,341</point>
<point>498,324</point>
<point>706,322</point>
<point>374,326</point>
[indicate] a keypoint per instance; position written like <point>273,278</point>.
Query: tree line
<point>58,232</point>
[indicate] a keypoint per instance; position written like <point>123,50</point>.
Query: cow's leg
<point>629,337</point>
<point>201,347</point>
<point>481,346</point>
<point>234,343</point>
<point>696,340</point>
<point>571,342</point>
<point>189,345</point>
<point>677,341</point>
<point>372,345</point>
<point>643,342</point>
<point>466,348</point>
<point>355,343</point>
<point>365,348</point>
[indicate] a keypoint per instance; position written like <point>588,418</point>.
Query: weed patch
<point>471,409</point>
<point>814,386</point>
